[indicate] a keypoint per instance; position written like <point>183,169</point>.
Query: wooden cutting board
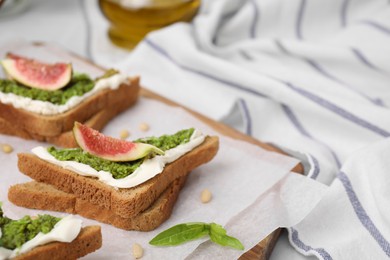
<point>264,248</point>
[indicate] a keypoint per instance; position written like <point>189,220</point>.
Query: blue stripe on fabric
<point>290,114</point>
<point>316,166</point>
<point>326,74</point>
<point>295,239</point>
<point>304,132</point>
<point>318,100</point>
<point>364,60</point>
<point>206,75</point>
<point>377,26</point>
<point>298,25</point>
<point>245,55</point>
<point>247,116</point>
<point>321,70</point>
<point>338,163</point>
<point>362,214</point>
<point>224,17</point>
<point>281,47</point>
<point>344,9</point>
<point>338,110</point>
<point>229,15</point>
<point>255,19</point>
<point>295,121</point>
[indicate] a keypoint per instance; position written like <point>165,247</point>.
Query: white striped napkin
<point>311,77</point>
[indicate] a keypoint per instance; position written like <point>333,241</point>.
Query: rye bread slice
<point>88,241</point>
<point>123,202</point>
<point>36,195</point>
<point>31,125</point>
<point>66,139</point>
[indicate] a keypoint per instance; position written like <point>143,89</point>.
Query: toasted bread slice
<point>126,202</point>
<point>88,241</point>
<point>66,139</point>
<point>46,197</point>
<point>30,125</point>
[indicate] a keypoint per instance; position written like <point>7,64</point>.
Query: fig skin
<point>109,148</point>
<point>36,74</point>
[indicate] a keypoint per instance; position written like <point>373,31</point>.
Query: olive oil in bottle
<point>131,20</point>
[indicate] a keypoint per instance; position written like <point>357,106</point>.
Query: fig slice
<point>109,148</point>
<point>35,74</point>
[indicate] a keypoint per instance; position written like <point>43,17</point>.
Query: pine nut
<point>205,196</point>
<point>7,148</point>
<point>138,251</point>
<point>144,127</point>
<point>124,134</point>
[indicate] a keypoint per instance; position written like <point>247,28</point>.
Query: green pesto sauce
<point>117,169</point>
<point>166,142</point>
<point>17,232</point>
<point>121,170</point>
<point>78,86</point>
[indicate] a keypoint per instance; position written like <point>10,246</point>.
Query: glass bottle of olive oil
<point>131,20</point>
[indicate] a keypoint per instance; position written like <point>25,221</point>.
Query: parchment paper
<point>253,190</point>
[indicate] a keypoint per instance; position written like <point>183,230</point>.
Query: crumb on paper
<point>205,196</point>
<point>144,127</point>
<point>124,134</point>
<point>7,148</point>
<point>138,251</point>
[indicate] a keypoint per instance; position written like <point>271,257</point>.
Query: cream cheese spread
<point>147,170</point>
<point>47,108</point>
<point>66,230</point>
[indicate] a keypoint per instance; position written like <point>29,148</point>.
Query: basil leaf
<point>218,236</point>
<point>217,229</point>
<point>181,233</point>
